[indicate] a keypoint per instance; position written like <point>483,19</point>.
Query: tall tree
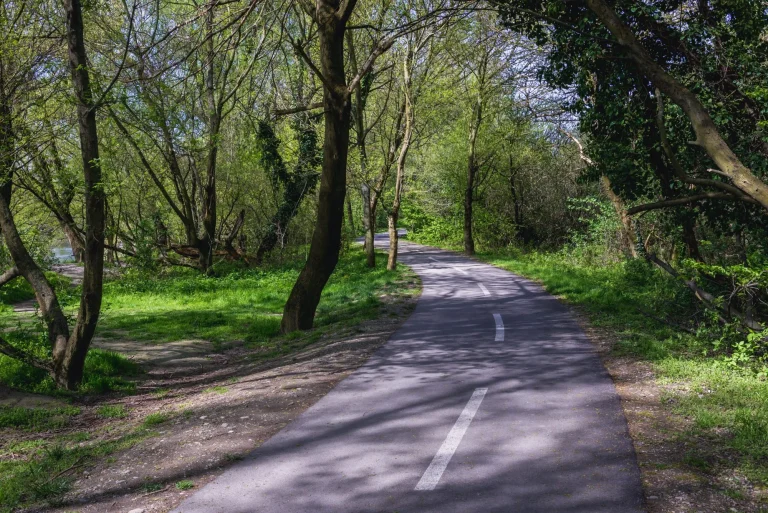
<point>69,349</point>
<point>331,17</point>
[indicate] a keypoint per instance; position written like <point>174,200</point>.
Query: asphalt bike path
<point>489,398</point>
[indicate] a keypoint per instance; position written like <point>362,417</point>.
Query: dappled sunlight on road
<point>549,435</point>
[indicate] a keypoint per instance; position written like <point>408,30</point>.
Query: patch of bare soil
<point>671,482</point>
<point>221,407</point>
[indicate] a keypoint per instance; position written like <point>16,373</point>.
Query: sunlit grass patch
<point>245,305</point>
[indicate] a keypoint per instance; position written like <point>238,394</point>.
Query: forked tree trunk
<point>69,358</point>
<point>68,349</point>
<point>299,311</point>
<point>707,135</point>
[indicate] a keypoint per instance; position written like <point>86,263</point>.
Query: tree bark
<point>69,358</point>
<point>394,212</point>
<point>9,275</point>
<point>53,316</point>
<point>707,135</point>
<point>369,222</point>
<point>299,311</point>
<point>368,226</point>
<point>75,240</point>
<point>469,192</point>
<point>207,242</point>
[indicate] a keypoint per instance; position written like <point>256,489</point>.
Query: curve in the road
<point>481,402</point>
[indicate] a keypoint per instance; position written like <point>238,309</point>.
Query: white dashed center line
<point>462,271</point>
<point>485,291</point>
<point>435,470</point>
<point>499,327</point>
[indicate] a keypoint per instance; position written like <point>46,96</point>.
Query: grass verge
<point>726,403</point>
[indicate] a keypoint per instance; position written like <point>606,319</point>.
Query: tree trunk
<point>628,244</point>
<point>368,225</point>
<point>75,241</point>
<point>707,135</point>
<point>369,222</point>
<point>53,316</point>
<point>394,213</point>
<point>69,361</point>
<point>9,275</point>
<point>350,217</point>
<point>469,192</point>
<point>207,242</point>
<point>689,238</point>
<point>299,311</point>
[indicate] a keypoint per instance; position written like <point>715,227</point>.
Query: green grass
<point>185,485</point>
<point>153,419</point>
<point>40,472</point>
<point>105,371</point>
<point>112,411</point>
<point>36,419</point>
<point>151,487</point>
<point>244,305</point>
<point>727,404</point>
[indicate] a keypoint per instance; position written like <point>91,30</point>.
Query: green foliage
<point>595,241</point>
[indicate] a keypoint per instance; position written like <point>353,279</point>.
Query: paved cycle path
<point>488,399</point>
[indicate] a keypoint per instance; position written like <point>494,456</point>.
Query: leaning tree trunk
<point>299,311</point>
<point>69,359</point>
<point>707,135</point>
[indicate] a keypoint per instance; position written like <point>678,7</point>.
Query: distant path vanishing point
<point>488,399</point>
